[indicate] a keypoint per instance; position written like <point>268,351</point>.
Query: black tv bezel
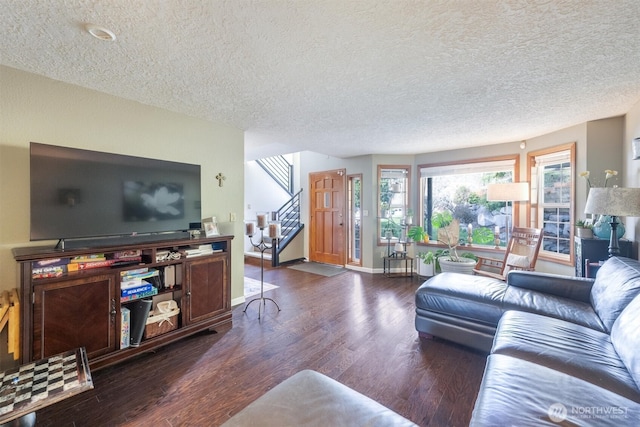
<point>123,237</point>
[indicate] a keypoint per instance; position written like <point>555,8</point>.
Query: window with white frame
<point>461,189</point>
<point>354,196</point>
<point>552,196</point>
<point>393,202</point>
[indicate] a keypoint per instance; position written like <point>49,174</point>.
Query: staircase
<point>291,226</point>
<point>281,171</point>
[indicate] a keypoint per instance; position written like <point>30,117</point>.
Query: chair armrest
<point>575,288</point>
<point>489,263</point>
<point>489,267</point>
<point>517,267</point>
<point>488,274</point>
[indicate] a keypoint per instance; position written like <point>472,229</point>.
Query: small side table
<point>408,266</point>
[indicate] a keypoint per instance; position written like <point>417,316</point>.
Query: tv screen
<point>83,194</point>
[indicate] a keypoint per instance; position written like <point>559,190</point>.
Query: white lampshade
<point>614,201</point>
<point>508,192</point>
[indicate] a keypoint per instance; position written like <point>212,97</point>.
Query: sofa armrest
<point>575,288</point>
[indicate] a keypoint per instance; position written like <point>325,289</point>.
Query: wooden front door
<point>328,222</point>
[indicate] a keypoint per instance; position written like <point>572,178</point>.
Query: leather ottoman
<point>309,398</point>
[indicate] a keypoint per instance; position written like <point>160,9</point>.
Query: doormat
<point>252,287</point>
<point>327,270</point>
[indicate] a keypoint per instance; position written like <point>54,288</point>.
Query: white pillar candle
<point>249,228</point>
<point>262,221</point>
<point>274,230</point>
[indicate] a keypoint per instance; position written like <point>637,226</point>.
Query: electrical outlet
<point>232,217</point>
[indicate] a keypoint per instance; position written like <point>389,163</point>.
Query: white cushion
<point>514,260</point>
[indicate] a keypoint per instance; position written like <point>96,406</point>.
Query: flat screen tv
<point>79,194</point>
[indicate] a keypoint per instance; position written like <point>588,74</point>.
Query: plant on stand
<point>408,219</point>
<point>449,234</point>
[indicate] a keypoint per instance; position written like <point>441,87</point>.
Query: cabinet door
<point>207,288</point>
<point>75,313</point>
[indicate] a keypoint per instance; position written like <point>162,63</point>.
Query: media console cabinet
<point>83,306</point>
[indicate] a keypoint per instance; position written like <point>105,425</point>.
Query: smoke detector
<point>100,32</point>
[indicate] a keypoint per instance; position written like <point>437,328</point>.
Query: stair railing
<point>279,168</point>
<point>290,225</point>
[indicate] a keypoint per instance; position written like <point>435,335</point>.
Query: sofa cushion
<point>573,349</point>
<point>626,339</point>
<point>574,288</point>
<point>574,311</point>
<point>465,296</point>
<point>617,283</point>
<point>516,392</point>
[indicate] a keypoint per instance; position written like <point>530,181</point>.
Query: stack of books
<point>85,262</point>
<point>47,268</point>
<point>57,267</point>
<point>200,251</point>
<point>133,256</point>
<point>138,283</point>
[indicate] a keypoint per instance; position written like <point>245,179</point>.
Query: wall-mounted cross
<point>220,177</point>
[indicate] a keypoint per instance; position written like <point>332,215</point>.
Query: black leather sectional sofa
<point>562,350</point>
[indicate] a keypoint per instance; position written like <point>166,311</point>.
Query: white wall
<point>43,110</point>
<point>262,194</point>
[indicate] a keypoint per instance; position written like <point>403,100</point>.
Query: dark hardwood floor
<point>355,327</point>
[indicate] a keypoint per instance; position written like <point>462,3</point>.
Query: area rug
<point>252,287</point>
<point>327,270</point>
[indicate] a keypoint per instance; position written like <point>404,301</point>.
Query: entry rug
<point>252,287</point>
<point>327,270</point>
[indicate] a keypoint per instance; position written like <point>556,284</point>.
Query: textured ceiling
<point>346,77</point>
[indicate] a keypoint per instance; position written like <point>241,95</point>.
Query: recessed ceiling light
<point>100,32</point>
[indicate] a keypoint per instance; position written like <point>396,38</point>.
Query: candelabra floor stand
<point>262,300</point>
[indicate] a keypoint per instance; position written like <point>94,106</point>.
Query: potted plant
<point>426,263</point>
<point>408,219</point>
<point>384,209</point>
<point>449,235</point>
<point>417,234</point>
<point>584,229</point>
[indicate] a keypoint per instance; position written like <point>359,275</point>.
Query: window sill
<point>491,249</point>
<point>483,248</point>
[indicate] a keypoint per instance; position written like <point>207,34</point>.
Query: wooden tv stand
<point>82,308</point>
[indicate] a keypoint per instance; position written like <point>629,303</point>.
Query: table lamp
<point>615,202</point>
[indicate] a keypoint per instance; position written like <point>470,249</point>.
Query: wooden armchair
<point>522,254</point>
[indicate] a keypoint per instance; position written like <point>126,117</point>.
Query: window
<point>461,190</point>
<point>355,219</point>
<point>552,196</point>
<point>393,202</point>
